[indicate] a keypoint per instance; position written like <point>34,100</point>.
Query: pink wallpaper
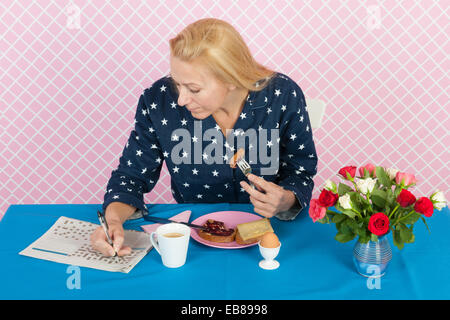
<point>72,72</point>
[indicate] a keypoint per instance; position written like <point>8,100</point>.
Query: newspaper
<point>68,241</point>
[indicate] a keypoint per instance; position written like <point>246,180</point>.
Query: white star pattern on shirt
<point>146,152</point>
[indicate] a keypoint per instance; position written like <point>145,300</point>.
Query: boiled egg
<point>269,240</point>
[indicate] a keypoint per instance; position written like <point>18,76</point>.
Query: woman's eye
<point>195,91</point>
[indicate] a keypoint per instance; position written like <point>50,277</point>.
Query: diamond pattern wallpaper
<point>72,73</point>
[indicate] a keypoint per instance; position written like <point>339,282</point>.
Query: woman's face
<point>199,91</point>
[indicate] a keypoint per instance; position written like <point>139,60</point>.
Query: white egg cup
<point>269,254</point>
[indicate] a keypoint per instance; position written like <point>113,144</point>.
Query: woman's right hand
<point>100,243</point>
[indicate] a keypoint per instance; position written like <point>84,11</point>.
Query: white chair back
<point>316,110</point>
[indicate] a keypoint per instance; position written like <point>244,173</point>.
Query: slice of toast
<point>215,238</point>
<point>216,231</point>
<point>252,232</point>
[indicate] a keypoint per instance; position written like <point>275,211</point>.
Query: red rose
<point>350,169</point>
<point>328,198</point>
<point>379,224</point>
<point>406,198</point>
<point>316,212</point>
<point>424,206</point>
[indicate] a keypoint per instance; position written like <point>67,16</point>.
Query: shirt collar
<point>259,99</point>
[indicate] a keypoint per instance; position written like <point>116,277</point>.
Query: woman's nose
<point>183,97</point>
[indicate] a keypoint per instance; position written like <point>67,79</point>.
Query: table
<point>313,264</point>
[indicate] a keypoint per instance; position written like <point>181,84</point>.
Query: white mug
<point>172,243</point>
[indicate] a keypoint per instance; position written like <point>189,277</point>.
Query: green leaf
<point>412,239</point>
<point>390,198</point>
<point>343,189</point>
<point>347,212</point>
<point>383,178</point>
<point>338,218</point>
<point>379,198</point>
<point>344,237</point>
<point>412,218</point>
<point>423,219</point>
<point>397,239</point>
<point>405,233</point>
<point>364,238</point>
<point>358,200</point>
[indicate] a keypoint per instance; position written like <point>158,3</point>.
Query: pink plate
<point>231,220</point>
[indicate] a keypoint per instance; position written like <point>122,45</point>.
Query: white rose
<point>345,201</point>
<point>391,172</point>
<point>330,186</point>
<point>366,185</point>
<point>438,200</point>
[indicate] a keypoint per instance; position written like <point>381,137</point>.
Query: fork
<point>246,170</point>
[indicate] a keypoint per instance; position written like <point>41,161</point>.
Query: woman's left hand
<point>271,199</point>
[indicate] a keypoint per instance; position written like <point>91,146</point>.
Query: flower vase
<point>371,259</point>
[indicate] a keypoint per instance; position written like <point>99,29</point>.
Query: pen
<point>104,224</point>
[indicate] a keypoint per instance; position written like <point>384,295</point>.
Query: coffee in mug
<point>172,241</point>
<point>173,235</point>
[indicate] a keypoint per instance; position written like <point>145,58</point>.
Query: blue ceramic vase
<point>371,259</point>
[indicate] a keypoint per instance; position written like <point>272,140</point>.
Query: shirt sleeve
<point>298,157</point>
<point>140,164</point>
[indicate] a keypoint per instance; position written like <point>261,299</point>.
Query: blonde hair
<point>221,48</point>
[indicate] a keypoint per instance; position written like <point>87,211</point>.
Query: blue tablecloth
<point>312,264</point>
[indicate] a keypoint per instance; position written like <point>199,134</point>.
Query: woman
<point>216,100</point>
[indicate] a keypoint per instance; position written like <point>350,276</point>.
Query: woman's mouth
<point>193,109</point>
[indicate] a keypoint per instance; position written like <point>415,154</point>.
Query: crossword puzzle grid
<point>72,236</point>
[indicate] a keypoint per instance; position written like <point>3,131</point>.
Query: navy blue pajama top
<point>273,129</point>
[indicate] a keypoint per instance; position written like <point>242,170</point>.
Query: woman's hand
<point>100,243</point>
<point>275,199</point>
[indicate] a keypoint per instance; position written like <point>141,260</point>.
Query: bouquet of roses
<point>375,203</point>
